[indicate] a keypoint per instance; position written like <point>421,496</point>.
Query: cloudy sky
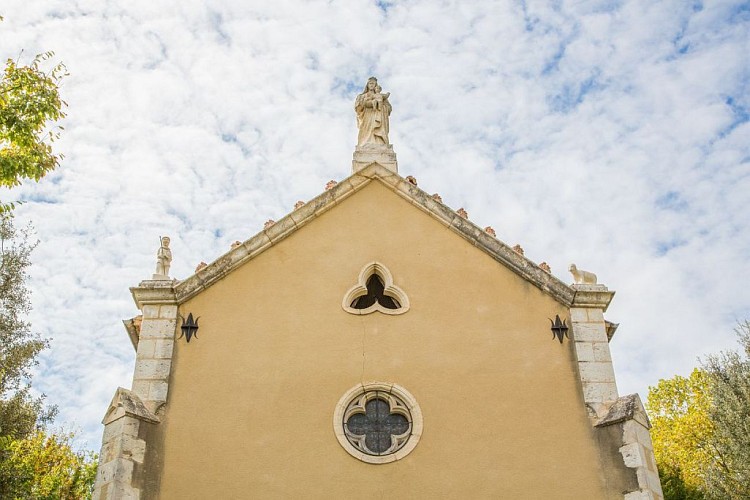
<point>612,134</point>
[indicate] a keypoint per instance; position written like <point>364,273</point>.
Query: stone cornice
<point>498,250</point>
<point>594,296</point>
<point>154,292</point>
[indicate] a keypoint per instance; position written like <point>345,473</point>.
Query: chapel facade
<point>373,343</point>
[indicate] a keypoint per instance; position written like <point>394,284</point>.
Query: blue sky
<point>614,135</point>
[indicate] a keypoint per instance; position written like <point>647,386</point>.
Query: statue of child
<point>379,99</point>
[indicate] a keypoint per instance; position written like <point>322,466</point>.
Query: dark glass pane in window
<point>378,441</point>
<point>388,302</point>
<point>375,292</point>
<point>357,424</point>
<point>364,301</point>
<point>378,424</point>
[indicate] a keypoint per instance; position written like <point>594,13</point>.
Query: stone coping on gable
<point>127,403</point>
<point>624,408</point>
<point>180,291</point>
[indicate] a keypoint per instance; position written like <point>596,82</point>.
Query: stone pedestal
<point>371,153</point>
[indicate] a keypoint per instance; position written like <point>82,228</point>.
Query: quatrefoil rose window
<point>378,422</point>
<point>375,291</point>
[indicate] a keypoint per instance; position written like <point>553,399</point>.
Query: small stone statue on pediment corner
<point>163,259</point>
<point>582,277</point>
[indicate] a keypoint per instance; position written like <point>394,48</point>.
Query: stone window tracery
<point>375,291</point>
<point>378,422</point>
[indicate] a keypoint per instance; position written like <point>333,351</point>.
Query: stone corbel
<point>133,329</point>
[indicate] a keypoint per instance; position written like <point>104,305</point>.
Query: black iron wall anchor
<point>189,327</point>
<point>559,328</point>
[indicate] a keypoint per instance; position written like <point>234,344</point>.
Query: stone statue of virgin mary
<point>373,111</point>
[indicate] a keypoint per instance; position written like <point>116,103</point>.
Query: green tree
<point>33,464</point>
<point>29,104</point>
<point>45,467</point>
<point>682,433</point>
<point>728,475</point>
<point>19,412</point>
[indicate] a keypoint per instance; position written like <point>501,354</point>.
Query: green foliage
<point>33,464</point>
<point>19,412</point>
<point>682,433</point>
<point>674,487</point>
<point>29,102</point>
<point>45,467</point>
<point>729,474</point>
<point>701,428</point>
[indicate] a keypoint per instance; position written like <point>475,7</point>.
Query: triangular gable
<point>283,228</point>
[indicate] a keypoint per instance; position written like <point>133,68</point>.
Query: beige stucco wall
<point>251,399</point>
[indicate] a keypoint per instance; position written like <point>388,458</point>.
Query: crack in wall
<point>364,357</point>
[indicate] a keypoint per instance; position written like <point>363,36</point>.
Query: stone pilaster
<point>153,361</point>
<point>592,347</point>
<point>131,411</point>
<point>123,450</point>
<point>123,447</point>
<point>372,153</point>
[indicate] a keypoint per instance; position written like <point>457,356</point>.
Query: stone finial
<point>518,249</point>
<point>330,184</point>
<point>545,267</point>
<point>582,277</point>
<point>163,260</point>
<point>269,223</point>
<point>299,205</point>
<point>235,244</point>
<point>437,197</point>
<point>201,266</point>
<point>463,213</point>
<point>490,231</point>
<point>411,179</point>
